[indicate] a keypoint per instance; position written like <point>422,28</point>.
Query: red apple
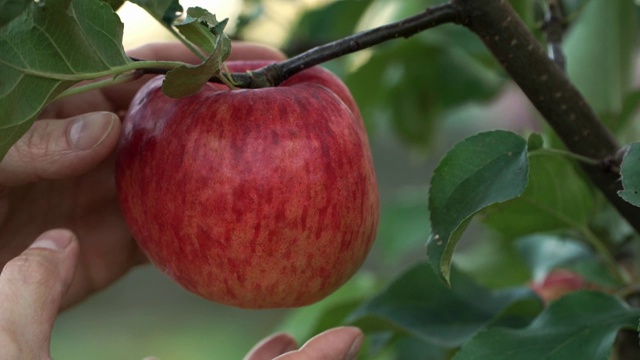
<point>261,198</point>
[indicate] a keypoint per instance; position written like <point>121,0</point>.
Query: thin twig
<point>276,73</point>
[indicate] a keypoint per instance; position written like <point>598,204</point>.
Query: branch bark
<point>550,91</point>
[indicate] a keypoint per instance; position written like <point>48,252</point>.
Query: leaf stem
<point>567,154</point>
<point>114,71</point>
<point>118,79</point>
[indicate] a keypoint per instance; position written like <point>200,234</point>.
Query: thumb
<point>54,149</point>
<point>31,288</point>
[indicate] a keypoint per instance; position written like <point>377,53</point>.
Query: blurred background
<point>440,82</point>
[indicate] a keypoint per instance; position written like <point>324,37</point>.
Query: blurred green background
<point>440,82</point>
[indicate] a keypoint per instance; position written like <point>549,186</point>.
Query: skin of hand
<point>60,174</point>
<point>338,343</point>
<point>33,285</point>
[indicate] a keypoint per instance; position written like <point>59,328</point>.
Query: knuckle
<point>30,269</point>
<point>40,143</point>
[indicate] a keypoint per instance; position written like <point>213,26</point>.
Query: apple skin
<point>261,198</point>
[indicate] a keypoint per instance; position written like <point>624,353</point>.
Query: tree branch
<point>276,73</point>
<point>549,89</point>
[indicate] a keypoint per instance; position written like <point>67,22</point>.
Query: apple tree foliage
<point>506,206</point>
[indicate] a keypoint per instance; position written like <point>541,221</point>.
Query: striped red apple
<point>255,198</point>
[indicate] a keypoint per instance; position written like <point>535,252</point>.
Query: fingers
<point>54,149</point>
<point>272,346</point>
<point>338,343</point>
<point>31,288</point>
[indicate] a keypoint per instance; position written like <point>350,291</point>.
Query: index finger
<point>120,96</point>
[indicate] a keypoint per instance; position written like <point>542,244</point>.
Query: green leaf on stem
<point>482,170</point>
<point>10,9</point>
<point>196,28</point>
<point>556,197</point>
<point>48,48</point>
<point>582,325</point>
<point>165,11</point>
<point>188,80</point>
<point>630,171</point>
<point>417,303</point>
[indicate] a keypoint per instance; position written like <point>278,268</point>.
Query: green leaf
<point>411,348</point>
<point>10,9</point>
<point>630,171</point>
<point>419,304</point>
<point>557,197</point>
<point>582,325</point>
<point>165,11</point>
<point>48,48</point>
<point>196,28</point>
<point>600,49</point>
<point>188,80</point>
<point>482,170</point>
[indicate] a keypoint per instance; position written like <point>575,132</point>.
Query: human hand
<point>33,284</point>
<point>338,343</point>
<point>60,175</point>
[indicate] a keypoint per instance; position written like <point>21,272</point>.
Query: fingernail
<point>89,130</point>
<point>53,240</point>
<point>352,354</point>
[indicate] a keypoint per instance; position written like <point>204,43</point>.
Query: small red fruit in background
<point>557,284</point>
<point>261,198</point>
